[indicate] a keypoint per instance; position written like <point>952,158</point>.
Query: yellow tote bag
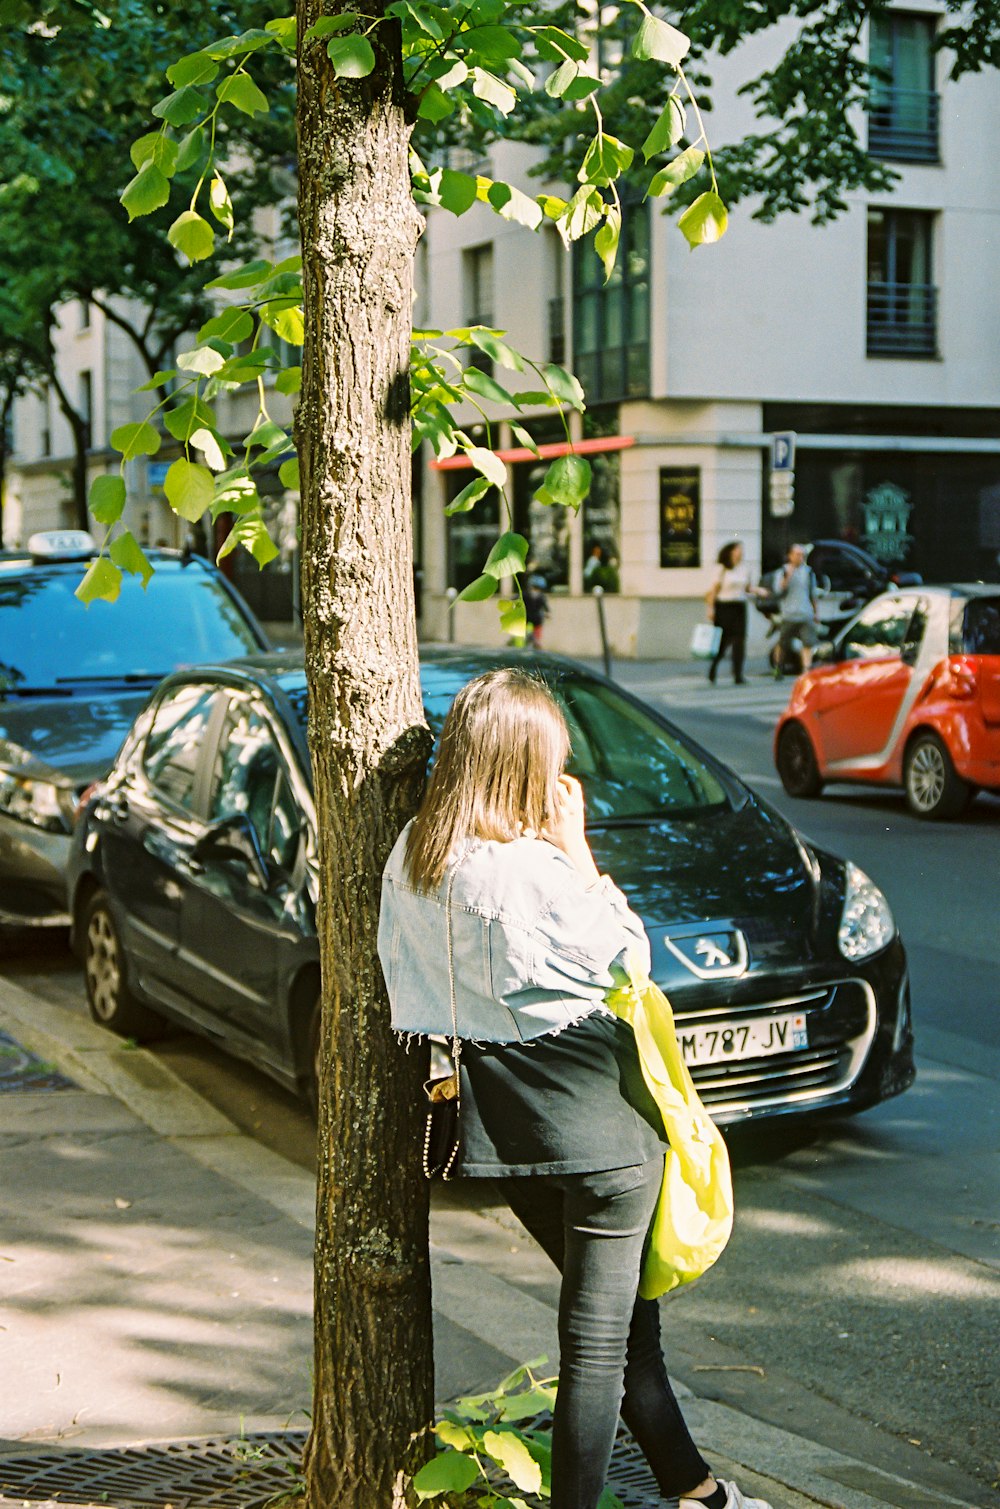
<point>694,1214</point>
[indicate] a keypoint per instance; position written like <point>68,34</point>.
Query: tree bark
<point>78,426</point>
<point>373,1389</point>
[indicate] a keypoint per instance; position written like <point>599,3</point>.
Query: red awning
<point>461,462</point>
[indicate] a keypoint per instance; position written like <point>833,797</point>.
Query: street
<point>859,1301</point>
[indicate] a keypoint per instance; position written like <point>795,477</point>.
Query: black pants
<point>593,1227</point>
<point>731,618</point>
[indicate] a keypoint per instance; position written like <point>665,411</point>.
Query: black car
<point>71,682</point>
<point>194,880</point>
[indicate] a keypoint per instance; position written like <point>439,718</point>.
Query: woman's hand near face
<point>565,827</point>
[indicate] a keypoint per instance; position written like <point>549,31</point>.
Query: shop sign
<point>886,511</point>
<point>680,516</point>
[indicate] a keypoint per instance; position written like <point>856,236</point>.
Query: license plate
<point>758,1037</point>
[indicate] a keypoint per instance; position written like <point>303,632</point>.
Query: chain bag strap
<point>444,1091</point>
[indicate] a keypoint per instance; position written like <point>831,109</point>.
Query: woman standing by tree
<point>493,908</point>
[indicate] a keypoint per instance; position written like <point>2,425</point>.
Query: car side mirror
<point>233,838</point>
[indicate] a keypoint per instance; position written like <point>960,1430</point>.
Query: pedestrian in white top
<point>727,608</point>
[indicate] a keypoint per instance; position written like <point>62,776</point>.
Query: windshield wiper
<point>126,677</point>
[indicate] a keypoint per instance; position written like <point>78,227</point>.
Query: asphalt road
<point>859,1301</point>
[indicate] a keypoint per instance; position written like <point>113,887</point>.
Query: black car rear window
<point>981,631</point>
<point>48,639</point>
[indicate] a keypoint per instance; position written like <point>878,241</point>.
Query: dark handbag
<point>442,1134</point>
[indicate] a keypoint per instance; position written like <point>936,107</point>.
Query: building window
<point>87,407</point>
<point>477,297</point>
<point>902,300</point>
<point>903,103</point>
<point>611,320</point>
<point>556,260</point>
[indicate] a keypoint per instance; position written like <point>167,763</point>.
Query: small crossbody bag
<point>442,1131</point>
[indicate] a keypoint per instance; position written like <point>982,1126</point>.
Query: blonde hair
<point>503,747</point>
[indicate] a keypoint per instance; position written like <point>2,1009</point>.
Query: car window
<point>879,630</point>
<point>286,826</point>
<point>49,639</point>
<point>839,569</point>
<point>175,741</point>
<point>915,632</point>
<point>981,630</point>
<point>245,774</point>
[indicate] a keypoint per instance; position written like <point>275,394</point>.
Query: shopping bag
<point>694,1214</point>
<point>705,641</point>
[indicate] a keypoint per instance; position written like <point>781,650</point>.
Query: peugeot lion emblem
<point>715,954</point>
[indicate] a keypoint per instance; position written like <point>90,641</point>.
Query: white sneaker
<point>735,1499</point>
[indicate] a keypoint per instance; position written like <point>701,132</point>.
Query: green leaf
<point>283,27</point>
<point>247,276</point>
<point>560,79</point>
<point>451,1471</point>
<point>484,386</point>
<point>553,43</point>
<point>511,204</point>
<point>233,325</point>
<point>468,497</point>
<point>668,128</point>
<point>127,553</point>
<point>488,463</point>
<point>435,104</point>
<point>352,57</point>
<point>565,386</point>
<point>606,159</point>
<point>450,1433</point>
<point>102,580</point>
<point>508,556</point>
<point>157,148</point>
<point>567,481</point>
<point>606,240</point>
<point>158,379</point>
<point>196,68</point>
<point>288,473</point>
<point>240,90</point>
<point>486,86</point>
<point>181,107</point>
<point>497,350</point>
<point>235,493</point>
<point>582,87</point>
<point>286,323</point>
<point>191,148</point>
<point>455,75</point>
<point>327,26</point>
<point>189,415</point>
<point>246,42</point>
<point>513,620</point>
<point>146,192</point>
<point>583,212</point>
<point>456,191</point>
<point>289,381</point>
<point>220,204</point>
<point>192,236</point>
<point>190,489</point>
<point>139,439</point>
<point>478,591</point>
<point>704,221</point>
<point>252,534</point>
<point>658,39</point>
<point>107,499</point>
<point>202,359</point>
<point>525,437</point>
<point>268,434</point>
<point>514,1457</point>
<point>675,173</point>
<point>210,444</point>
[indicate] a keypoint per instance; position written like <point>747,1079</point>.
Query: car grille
<point>840,1022</point>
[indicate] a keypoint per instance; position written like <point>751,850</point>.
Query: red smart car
<point>908,694</point>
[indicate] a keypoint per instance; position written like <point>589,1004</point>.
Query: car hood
<point>71,740</point>
<point>745,869</point>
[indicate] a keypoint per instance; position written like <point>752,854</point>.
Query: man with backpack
<point>795,589</point>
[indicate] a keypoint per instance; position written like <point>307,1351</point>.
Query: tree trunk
<point>78,426</point>
<point>373,1389</point>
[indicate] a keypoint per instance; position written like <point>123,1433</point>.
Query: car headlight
<point>866,923</point>
<point>41,803</point>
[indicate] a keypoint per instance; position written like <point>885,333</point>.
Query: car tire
<point>796,762</point>
<point>105,971</point>
<point>934,789</point>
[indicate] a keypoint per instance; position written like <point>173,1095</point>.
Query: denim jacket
<point>533,945</point>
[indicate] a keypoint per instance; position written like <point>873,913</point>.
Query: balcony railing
<point>903,124</point>
<point>902,319</point>
<point>557,330</point>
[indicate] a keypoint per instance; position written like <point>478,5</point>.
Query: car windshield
<point>630,766</point>
<point>49,640</point>
<point>981,634</point>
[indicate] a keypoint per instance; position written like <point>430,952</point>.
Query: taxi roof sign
<point>62,545</point>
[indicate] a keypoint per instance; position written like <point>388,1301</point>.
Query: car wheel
<point>796,762</point>
<point>934,789</point>
<point>111,1001</point>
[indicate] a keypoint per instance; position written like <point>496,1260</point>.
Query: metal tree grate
<point>249,1472</point>
<point>21,1070</point>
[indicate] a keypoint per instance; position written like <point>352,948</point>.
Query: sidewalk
<point>156,1280</point>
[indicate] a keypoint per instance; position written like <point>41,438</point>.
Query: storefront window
<point>544,526</point>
